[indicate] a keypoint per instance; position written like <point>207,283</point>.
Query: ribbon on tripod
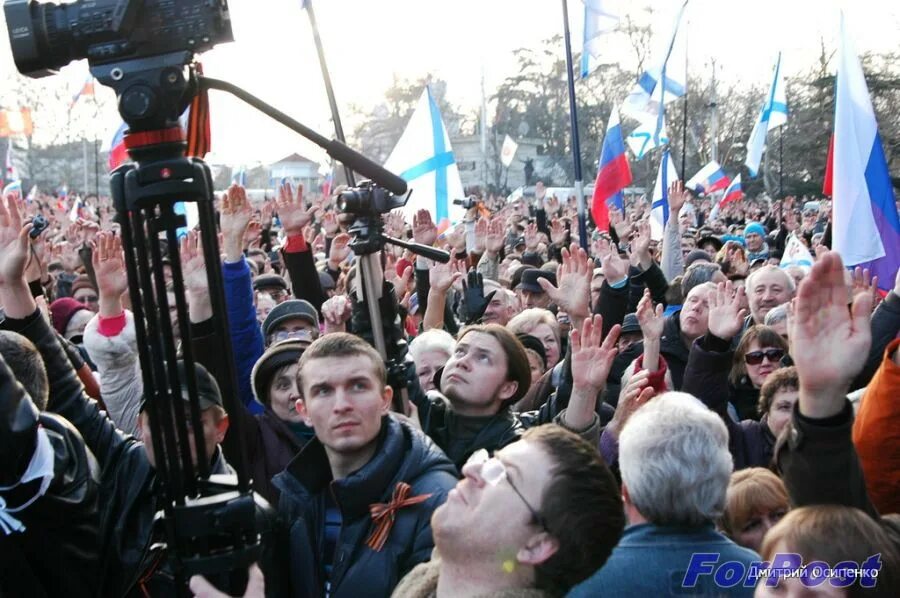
<point>199,138</point>
<point>384,514</point>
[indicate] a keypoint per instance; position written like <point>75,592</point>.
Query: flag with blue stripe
<point>659,209</point>
<point>665,81</point>
<point>598,19</point>
<point>424,159</point>
<point>773,114</point>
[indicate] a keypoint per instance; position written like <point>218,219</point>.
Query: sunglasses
<point>756,357</point>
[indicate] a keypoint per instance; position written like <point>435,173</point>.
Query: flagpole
<point>576,146</point>
<point>326,77</point>
<point>781,162</point>
<point>684,124</point>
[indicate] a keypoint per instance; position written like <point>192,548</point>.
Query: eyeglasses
<point>301,335</point>
<point>493,471</point>
<point>756,357</point>
<point>90,299</point>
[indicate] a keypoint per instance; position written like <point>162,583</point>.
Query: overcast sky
<point>367,42</point>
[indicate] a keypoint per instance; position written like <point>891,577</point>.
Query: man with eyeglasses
<point>536,519</point>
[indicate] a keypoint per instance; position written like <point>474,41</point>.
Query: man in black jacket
<point>358,498</point>
<point>130,561</point>
<point>49,535</point>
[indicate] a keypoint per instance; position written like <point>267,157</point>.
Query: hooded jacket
<point>56,553</point>
<point>403,455</point>
<point>128,500</point>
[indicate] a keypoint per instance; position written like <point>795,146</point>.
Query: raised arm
<point>110,337</point>
<point>830,344</point>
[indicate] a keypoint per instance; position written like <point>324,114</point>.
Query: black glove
<point>473,296</point>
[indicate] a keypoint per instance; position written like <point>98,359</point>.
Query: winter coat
<point>403,455</point>
<point>876,434</point>
<point>812,454</point>
<point>56,553</point>
<point>422,582</point>
<point>651,560</point>
<point>269,442</point>
<point>706,377</point>
<point>128,499</point>
<point>116,358</point>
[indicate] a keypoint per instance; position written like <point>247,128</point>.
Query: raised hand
<point>618,222</point>
<point>293,214</point>
<point>639,254</point>
<point>615,269</point>
<point>726,317</point>
<point>443,276</point>
<point>424,230</point>
<point>336,313</point>
<point>109,267</point>
<point>481,231</point>
<point>340,251</point>
<point>193,264</point>
<point>632,397</point>
<point>495,236</point>
<point>573,277</point>
<point>397,224</point>
<point>531,237</point>
<point>591,358</point>
<point>475,301</point>
<point>651,320</point>
<point>557,232</point>
<point>551,205</point>
<point>862,282</point>
<point>677,197</point>
<point>330,224</point>
<point>234,220</point>
<point>13,242</point>
<point>456,237</point>
<point>830,343</point>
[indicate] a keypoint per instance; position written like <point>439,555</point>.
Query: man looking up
<point>361,457</point>
<point>534,520</point>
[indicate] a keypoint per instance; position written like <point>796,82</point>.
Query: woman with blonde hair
<point>755,501</point>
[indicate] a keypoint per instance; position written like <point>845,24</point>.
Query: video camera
<point>45,37</point>
<point>368,199</point>
<point>467,203</point>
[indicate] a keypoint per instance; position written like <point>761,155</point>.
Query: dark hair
<point>696,275</point>
<point>582,509</point>
<point>765,336</point>
<point>341,344</point>
<point>781,379</point>
<point>27,366</point>
<point>674,295</point>
<point>518,369</point>
<point>811,531</point>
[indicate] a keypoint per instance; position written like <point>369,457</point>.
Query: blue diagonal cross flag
<point>773,114</point>
<point>659,209</point>
<point>424,159</point>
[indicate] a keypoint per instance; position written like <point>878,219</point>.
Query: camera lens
<point>40,35</point>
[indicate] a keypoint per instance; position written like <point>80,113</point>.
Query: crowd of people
<point>643,417</point>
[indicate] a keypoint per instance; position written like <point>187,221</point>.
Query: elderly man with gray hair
<point>675,464</point>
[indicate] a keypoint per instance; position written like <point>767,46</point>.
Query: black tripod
<point>211,523</point>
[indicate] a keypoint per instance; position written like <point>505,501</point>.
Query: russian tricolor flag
<point>118,153</point>
<point>613,173</point>
<point>734,192</point>
<point>865,225</point>
<point>710,178</point>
